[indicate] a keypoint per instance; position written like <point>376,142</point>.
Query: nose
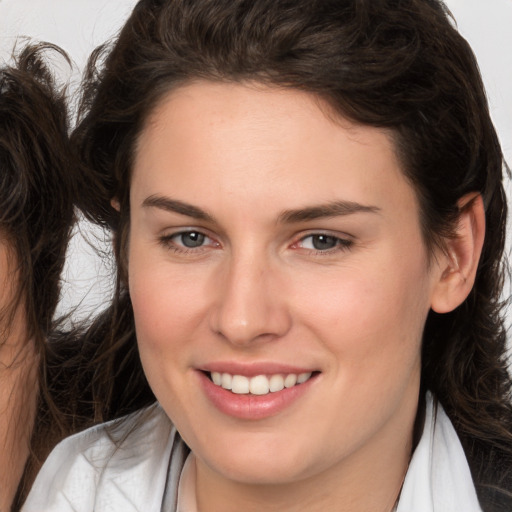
<point>250,303</point>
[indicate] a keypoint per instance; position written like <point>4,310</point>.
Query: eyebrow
<point>332,209</point>
<point>175,206</point>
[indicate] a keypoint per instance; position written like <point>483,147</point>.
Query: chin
<point>257,461</point>
<point>250,472</point>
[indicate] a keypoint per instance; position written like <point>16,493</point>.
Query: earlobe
<point>114,202</point>
<point>459,261</point>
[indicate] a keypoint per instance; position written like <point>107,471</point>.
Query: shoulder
<point>105,467</point>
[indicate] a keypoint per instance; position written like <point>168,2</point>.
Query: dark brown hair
<point>36,212</point>
<point>397,64</point>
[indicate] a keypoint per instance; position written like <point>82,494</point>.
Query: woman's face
<point>271,241</point>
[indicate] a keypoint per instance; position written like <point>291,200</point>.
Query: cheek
<point>372,319</point>
<point>155,309</point>
<point>160,330</point>
<point>371,324</point>
<point>160,312</point>
<point>168,306</point>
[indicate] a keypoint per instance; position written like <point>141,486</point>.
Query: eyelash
<point>168,241</point>
<point>340,244</point>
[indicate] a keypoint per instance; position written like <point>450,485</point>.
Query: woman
<point>308,216</point>
<point>36,215</point>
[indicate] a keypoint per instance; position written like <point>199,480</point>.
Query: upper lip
<point>254,368</point>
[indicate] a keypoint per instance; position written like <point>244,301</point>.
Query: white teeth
<point>260,384</point>
<point>290,380</point>
<point>303,377</point>
<point>226,380</point>
<point>240,385</point>
<point>276,383</point>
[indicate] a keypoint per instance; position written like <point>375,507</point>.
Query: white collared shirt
<point>87,472</point>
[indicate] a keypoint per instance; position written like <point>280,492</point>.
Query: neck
<point>18,392</point>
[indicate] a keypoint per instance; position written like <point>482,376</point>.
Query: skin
<point>257,290</point>
<point>18,384</point>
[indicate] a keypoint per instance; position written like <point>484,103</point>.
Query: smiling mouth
<point>259,384</point>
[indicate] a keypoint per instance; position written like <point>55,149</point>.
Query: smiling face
<point>268,240</point>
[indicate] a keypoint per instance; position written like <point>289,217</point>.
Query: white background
<point>79,25</point>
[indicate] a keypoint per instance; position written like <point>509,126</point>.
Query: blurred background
<point>80,25</point>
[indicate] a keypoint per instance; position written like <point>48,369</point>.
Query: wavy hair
<point>36,217</point>
<point>400,65</point>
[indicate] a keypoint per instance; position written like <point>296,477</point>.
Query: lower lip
<point>252,407</point>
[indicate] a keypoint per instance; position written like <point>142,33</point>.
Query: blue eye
<point>186,241</point>
<point>322,242</point>
<point>190,239</point>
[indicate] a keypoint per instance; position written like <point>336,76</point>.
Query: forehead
<point>254,102</point>
<point>258,141</point>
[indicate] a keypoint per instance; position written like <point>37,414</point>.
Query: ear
<point>458,263</point>
<point>114,202</point>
